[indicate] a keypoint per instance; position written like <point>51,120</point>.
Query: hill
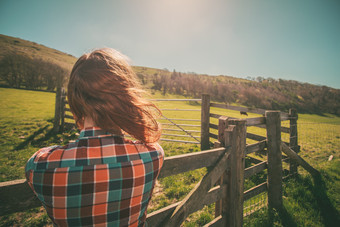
<point>47,67</point>
<point>11,45</point>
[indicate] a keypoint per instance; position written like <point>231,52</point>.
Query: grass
<point>26,122</point>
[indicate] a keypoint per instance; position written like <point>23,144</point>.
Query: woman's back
<point>101,179</point>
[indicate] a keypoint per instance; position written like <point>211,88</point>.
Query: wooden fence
<point>224,182</point>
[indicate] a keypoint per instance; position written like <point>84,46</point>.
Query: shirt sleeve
<point>32,163</point>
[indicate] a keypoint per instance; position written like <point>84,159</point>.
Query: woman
<point>101,179</point>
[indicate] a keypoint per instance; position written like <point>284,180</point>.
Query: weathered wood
<point>255,137</point>
<point>274,179</point>
<point>255,121</point>
<point>175,119</point>
<point>286,160</point>
<point>250,171</point>
<point>213,126</point>
<point>191,161</point>
<point>212,135</point>
<point>254,160</point>
<point>157,217</point>
<point>256,147</point>
<point>205,120</point>
<point>285,129</point>
<point>222,126</point>
<point>285,178</point>
<point>261,126</point>
<point>193,200</point>
<point>237,140</point>
<point>69,117</point>
<point>238,108</point>
<point>16,196</point>
<point>297,159</point>
<point>284,116</point>
<point>62,109</point>
<point>178,135</point>
<point>57,110</point>
<point>215,115</point>
<point>293,138</point>
<point>254,191</point>
<point>70,124</point>
<point>217,222</point>
<point>217,144</point>
<point>179,130</point>
<point>213,195</point>
<point>180,141</point>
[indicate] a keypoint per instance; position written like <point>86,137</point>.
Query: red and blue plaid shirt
<point>101,179</point>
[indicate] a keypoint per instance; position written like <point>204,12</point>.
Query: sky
<point>287,39</point>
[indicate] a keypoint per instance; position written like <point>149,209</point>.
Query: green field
<point>26,122</point>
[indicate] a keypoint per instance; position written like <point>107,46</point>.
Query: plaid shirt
<point>101,179</point>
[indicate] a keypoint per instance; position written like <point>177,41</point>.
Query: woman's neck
<point>88,122</point>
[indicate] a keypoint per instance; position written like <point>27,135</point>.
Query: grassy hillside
<point>26,123</point>
<point>34,50</point>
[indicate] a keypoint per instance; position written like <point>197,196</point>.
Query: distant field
<point>26,120</point>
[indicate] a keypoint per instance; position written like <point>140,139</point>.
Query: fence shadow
<point>330,215</point>
<point>285,217</point>
<point>31,138</point>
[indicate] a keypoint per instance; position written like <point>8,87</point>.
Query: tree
<point>33,73</point>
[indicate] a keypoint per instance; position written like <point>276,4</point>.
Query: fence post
<point>205,118</point>
<point>57,113</point>
<point>235,136</point>
<point>274,179</point>
<point>62,109</point>
<point>293,138</point>
<point>222,126</point>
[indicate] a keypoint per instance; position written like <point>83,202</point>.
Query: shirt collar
<point>93,131</point>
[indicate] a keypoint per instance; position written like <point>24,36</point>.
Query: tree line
<point>21,71</point>
<point>266,93</point>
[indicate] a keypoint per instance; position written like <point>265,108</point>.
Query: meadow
<point>26,121</point>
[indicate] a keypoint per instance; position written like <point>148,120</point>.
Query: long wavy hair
<point>103,87</point>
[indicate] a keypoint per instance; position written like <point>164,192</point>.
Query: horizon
<point>243,39</point>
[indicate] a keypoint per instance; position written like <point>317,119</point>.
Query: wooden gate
<point>210,189</point>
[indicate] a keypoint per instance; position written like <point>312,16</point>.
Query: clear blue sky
<point>288,39</point>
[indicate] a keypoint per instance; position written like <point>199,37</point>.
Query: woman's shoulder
<point>40,156</point>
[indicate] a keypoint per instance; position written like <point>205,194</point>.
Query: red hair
<point>104,88</point>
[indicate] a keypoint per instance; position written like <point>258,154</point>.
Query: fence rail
<point>254,191</point>
<point>178,130</point>
<point>180,141</point>
<point>179,135</point>
<point>250,171</point>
